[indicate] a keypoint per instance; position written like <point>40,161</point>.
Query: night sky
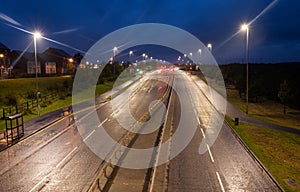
<point>274,36</point>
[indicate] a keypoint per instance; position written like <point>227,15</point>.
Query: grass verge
<point>267,110</point>
<point>60,103</point>
<point>278,151</point>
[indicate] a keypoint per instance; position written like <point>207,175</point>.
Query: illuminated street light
<point>115,49</point>
<point>144,55</point>
<point>200,51</point>
<point>245,27</point>
<point>209,46</point>
<point>130,53</point>
<point>2,67</point>
<point>36,35</point>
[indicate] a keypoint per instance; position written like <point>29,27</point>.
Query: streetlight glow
<point>37,35</point>
<point>244,27</point>
<point>209,46</point>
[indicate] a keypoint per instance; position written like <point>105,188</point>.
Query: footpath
<point>233,112</point>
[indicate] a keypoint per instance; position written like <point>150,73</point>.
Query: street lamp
<point>245,27</point>
<point>130,54</point>
<point>3,63</point>
<point>115,49</point>
<point>36,35</point>
<point>209,46</point>
<point>200,51</point>
<point>144,55</point>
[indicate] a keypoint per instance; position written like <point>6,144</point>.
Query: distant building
<point>64,62</point>
<point>48,65</point>
<point>23,63</point>
<point>4,60</point>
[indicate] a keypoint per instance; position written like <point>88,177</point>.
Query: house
<point>64,62</point>
<point>4,60</point>
<point>48,65</point>
<point>23,63</point>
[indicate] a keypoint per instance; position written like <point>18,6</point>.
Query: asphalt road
<point>57,159</point>
<point>62,157</point>
<point>225,167</point>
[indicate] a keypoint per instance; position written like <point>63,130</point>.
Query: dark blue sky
<point>274,37</point>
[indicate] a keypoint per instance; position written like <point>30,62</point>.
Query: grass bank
<point>61,86</point>
<point>267,110</point>
<point>278,151</point>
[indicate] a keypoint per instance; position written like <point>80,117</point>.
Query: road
<point>226,167</point>
<point>58,157</point>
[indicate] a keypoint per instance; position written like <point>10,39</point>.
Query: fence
<point>26,106</point>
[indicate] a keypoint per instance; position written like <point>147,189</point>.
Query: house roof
<point>2,46</point>
<point>56,52</point>
<point>45,57</point>
<point>27,55</point>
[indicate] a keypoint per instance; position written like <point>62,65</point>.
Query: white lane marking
<point>203,133</point>
<point>220,182</point>
<point>211,157</point>
<point>88,135</point>
<point>69,154</point>
<point>39,183</point>
<point>102,122</point>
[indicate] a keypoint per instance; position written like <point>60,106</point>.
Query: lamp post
<point>209,46</point>
<point>245,27</point>
<point>200,51</point>
<point>115,49</point>
<point>130,54</point>
<point>36,35</point>
<point>3,63</point>
<point>144,55</point>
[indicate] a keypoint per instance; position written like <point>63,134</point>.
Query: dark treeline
<point>278,82</point>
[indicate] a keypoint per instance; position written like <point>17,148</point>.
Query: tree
<point>283,94</point>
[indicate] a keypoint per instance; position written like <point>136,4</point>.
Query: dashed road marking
<point>210,154</point>
<point>202,132</point>
<point>220,182</point>
<point>88,135</point>
<point>69,154</point>
<point>102,122</point>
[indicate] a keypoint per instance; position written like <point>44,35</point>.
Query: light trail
<point>19,57</point>
<point>48,39</point>
<point>65,31</point>
<point>251,22</point>
<point>9,19</point>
